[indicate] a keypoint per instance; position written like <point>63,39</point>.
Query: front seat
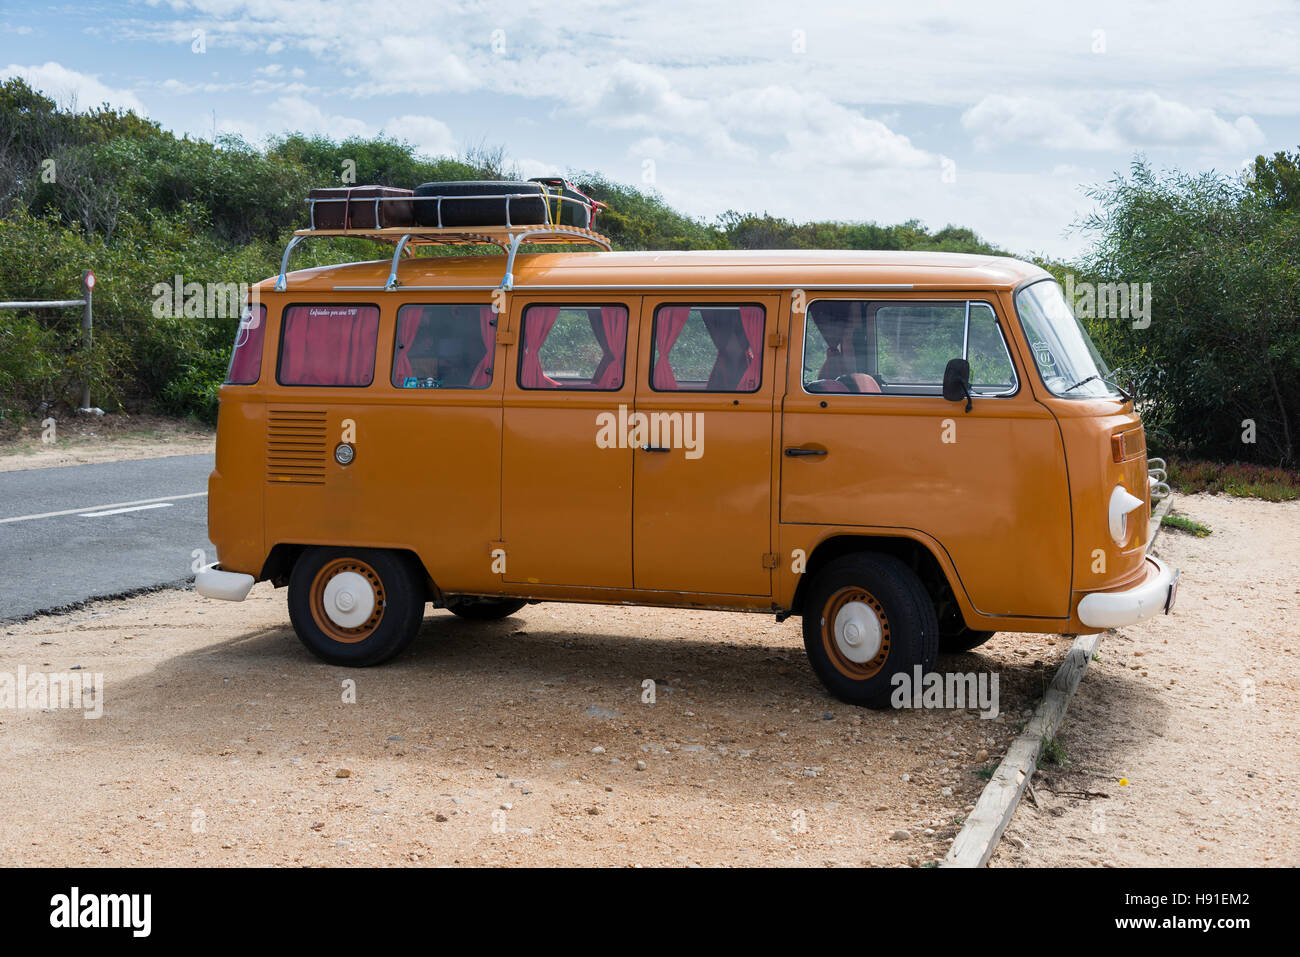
<point>860,382</point>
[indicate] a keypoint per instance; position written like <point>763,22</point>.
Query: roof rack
<point>508,238</point>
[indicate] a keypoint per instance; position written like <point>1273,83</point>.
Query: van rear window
<point>328,345</point>
<point>246,359</point>
<point>574,347</point>
<point>707,349</point>
<point>444,347</point>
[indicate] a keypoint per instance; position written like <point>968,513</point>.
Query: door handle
<point>794,453</point>
<point>654,448</point>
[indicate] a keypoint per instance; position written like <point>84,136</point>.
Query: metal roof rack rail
<point>508,238</point>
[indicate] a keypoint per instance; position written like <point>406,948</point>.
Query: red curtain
<point>610,329</point>
<point>669,321</point>
<point>723,327</point>
<point>751,321</point>
<point>408,324</point>
<point>246,359</point>
<point>483,371</point>
<point>832,322</point>
<point>329,345</point>
<point>538,322</point>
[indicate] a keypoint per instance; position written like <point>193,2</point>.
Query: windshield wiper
<point>1096,376</point>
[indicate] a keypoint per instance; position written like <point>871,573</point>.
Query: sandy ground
<point>86,439</point>
<point>1196,711</point>
<point>516,742</point>
<point>527,741</point>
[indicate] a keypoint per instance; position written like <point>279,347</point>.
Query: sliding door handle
<point>794,453</point>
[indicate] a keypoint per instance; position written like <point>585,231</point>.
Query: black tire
<point>964,639</point>
<point>905,616</point>
<point>398,590</point>
<point>485,609</point>
<point>524,210</point>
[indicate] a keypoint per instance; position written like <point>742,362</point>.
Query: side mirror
<point>956,381</point>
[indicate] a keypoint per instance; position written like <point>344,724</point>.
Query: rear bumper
<point>212,582</point>
<point>1153,595</point>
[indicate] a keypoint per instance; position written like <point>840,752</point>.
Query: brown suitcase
<point>361,207</point>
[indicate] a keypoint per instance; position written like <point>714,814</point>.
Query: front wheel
<point>868,618</point>
<point>356,606</point>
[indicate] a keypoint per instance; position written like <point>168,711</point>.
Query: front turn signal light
<point>1121,503</point>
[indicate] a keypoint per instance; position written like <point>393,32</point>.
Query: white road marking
<point>119,511</point>
<point>92,508</point>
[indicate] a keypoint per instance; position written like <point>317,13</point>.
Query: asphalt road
<point>92,531</point>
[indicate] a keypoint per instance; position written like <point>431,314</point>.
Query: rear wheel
<point>484,609</point>
<point>867,619</point>
<point>355,606</point>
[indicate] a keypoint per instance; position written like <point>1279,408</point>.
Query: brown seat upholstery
<point>827,385</point>
<point>860,382</point>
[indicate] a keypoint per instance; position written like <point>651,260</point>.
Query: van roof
<point>772,268</point>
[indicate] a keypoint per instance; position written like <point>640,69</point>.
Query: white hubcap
<point>349,599</point>
<point>857,632</point>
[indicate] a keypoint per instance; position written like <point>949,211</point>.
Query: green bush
<point>1238,479</point>
<point>141,206</point>
<point>1220,361</point>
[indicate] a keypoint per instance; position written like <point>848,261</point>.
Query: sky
<point>998,116</point>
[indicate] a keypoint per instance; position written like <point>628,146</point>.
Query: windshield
<point>1066,358</point>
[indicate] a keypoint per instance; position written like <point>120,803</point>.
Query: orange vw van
<point>910,451</point>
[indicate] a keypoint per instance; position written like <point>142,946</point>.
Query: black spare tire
<point>476,203</point>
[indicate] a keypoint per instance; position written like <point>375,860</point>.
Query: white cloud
<point>1003,120</point>
<point>820,132</point>
<point>429,136</point>
<point>530,167</point>
<point>1149,119</point>
<point>69,88</point>
<point>298,115</point>
<point>657,148</point>
<point>732,116</point>
<point>1132,121</point>
<point>817,131</point>
<point>634,96</point>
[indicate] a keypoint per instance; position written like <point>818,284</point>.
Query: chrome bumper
<point>212,582</point>
<point>1113,609</point>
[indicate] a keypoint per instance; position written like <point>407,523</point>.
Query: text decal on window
<point>331,345</point>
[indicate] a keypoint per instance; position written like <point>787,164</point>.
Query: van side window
<point>444,347</point>
<point>329,345</point>
<point>246,358</point>
<point>707,349</point>
<point>573,347</point>
<point>901,348</point>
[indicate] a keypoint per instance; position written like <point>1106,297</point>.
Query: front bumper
<point>1113,609</point>
<point>212,582</point>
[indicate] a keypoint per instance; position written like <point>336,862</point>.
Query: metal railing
<point>546,197</point>
<point>508,236</point>
<point>1158,483</point>
<point>87,318</point>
